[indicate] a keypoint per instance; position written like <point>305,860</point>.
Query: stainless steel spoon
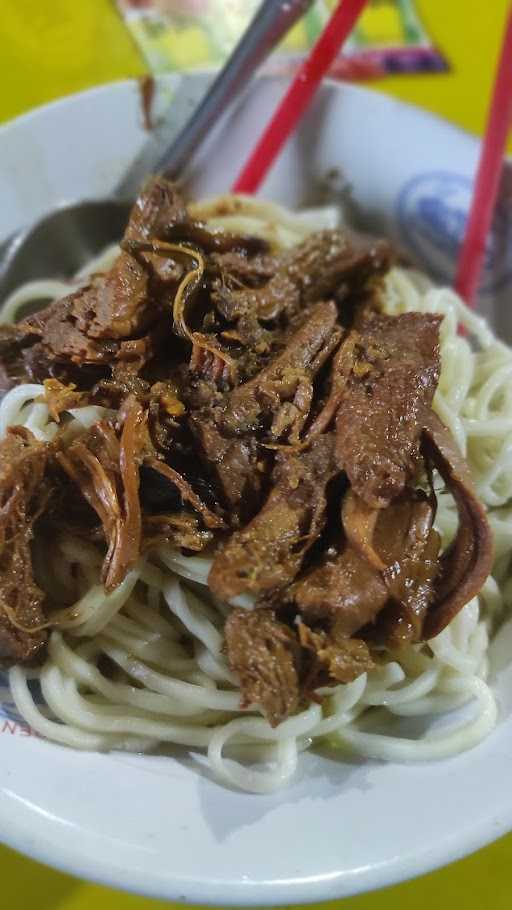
<point>63,240</point>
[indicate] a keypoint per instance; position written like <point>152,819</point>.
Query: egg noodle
<point>163,630</point>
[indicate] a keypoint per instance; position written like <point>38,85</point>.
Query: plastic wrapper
<point>183,35</point>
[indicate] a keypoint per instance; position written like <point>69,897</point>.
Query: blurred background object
<point>390,37</point>
<point>57,47</point>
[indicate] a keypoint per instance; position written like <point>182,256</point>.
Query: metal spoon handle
<point>271,22</point>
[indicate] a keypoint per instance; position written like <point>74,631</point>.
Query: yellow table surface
<point>49,48</point>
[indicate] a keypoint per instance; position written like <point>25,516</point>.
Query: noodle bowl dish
<point>256,522</point>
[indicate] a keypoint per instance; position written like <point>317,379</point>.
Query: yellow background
<point>53,47</point>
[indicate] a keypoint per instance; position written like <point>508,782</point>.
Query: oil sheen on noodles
<point>164,695</point>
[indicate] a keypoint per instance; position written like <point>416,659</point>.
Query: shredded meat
<point>312,271</point>
<point>104,465</point>
<point>278,666</point>
<point>264,653</point>
<point>239,466</point>
<point>60,397</point>
<point>181,529</point>
<point>282,392</point>
<point>275,403</point>
<point>338,659</point>
<point>266,555</point>
<point>188,495</point>
<point>23,495</point>
<point>393,379</point>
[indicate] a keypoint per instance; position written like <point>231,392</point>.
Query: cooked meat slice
<point>264,654</point>
<point>402,619</point>
<point>286,382</point>
<point>385,572</point>
<point>337,659</point>
<point>409,546</point>
<point>236,270</point>
<point>212,241</point>
<point>238,467</point>
<point>157,211</point>
<point>401,545</point>
<point>343,586</point>
<point>87,325</point>
<point>40,364</point>
<point>266,555</point>
<point>279,295</point>
<point>311,271</point>
<point>118,304</point>
<point>393,379</point>
<point>277,665</point>
<point>23,494</point>
<point>62,338</point>
<point>468,561</point>
<point>328,259</point>
<point>340,371</point>
<point>23,358</point>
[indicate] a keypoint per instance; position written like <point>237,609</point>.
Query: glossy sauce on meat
<point>266,413</point>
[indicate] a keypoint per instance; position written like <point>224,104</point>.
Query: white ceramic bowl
<point>158,825</point>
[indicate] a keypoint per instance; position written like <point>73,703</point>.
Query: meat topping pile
<point>267,414</point>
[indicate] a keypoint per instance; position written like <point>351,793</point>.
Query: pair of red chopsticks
<point>487,181</point>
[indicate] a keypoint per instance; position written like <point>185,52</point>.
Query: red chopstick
<point>298,96</point>
<point>485,192</point>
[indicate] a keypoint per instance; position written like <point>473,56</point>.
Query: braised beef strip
<point>266,555</point>
<point>394,376</point>
<point>314,270</point>
<point>468,561</point>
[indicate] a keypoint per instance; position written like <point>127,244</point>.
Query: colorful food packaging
<point>199,34</point>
